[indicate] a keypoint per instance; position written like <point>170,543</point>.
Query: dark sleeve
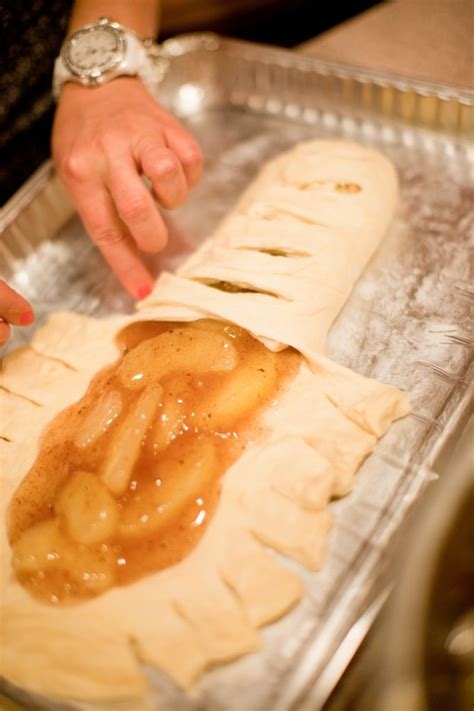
<point>32,32</point>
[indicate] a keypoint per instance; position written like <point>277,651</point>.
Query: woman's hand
<point>14,310</point>
<point>104,140</point>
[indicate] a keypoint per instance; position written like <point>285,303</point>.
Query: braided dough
<point>299,238</point>
<point>291,250</point>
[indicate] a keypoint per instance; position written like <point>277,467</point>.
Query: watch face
<point>93,51</point>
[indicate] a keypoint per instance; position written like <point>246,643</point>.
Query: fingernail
<point>27,318</point>
<point>143,291</point>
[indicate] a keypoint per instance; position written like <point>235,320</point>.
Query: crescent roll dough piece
<point>328,165</point>
<point>326,209</point>
<point>209,606</point>
<point>319,202</point>
<point>26,373</point>
<point>370,404</point>
<point>68,338</point>
<point>304,411</point>
<point>283,525</point>
<point>286,235</point>
<point>264,588</point>
<point>287,321</point>
<point>164,638</point>
<point>7,454</point>
<point>291,278</point>
<point>274,518</point>
<point>21,419</point>
<point>15,460</point>
<point>49,640</point>
<point>313,486</point>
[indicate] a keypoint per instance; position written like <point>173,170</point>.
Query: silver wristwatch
<point>104,50</point>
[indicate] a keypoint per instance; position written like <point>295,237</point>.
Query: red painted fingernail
<point>27,318</point>
<point>144,291</point>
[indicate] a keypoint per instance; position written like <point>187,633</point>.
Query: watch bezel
<point>94,73</point>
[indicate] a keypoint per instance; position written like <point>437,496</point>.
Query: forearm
<point>142,16</point>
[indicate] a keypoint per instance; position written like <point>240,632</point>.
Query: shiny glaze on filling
<point>127,479</point>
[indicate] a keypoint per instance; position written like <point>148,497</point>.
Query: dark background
<point>32,33</point>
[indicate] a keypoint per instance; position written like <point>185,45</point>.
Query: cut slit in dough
<point>207,608</point>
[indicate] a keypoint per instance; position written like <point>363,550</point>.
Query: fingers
<point>187,151</point>
<point>135,205</point>
<point>166,173</point>
<point>100,218</point>
<point>14,308</point>
<point>103,143</point>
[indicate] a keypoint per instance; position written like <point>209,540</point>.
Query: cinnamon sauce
<point>65,501</point>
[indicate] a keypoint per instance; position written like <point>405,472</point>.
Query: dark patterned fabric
<point>31,33</point>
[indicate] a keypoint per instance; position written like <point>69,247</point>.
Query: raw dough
<point>297,207</point>
<point>326,205</point>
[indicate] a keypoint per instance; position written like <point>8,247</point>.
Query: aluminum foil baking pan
<point>409,320</point>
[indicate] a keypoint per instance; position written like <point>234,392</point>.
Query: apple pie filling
<point>126,479</point>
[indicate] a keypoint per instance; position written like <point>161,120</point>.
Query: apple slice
<point>169,423</point>
<point>44,549</point>
<point>184,349</point>
<point>240,393</point>
<point>89,510</point>
<point>184,474</point>
<point>100,419</point>
<point>224,328</point>
<point>126,442</point>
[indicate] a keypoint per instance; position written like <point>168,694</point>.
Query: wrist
<point>72,89</point>
<point>102,51</point>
